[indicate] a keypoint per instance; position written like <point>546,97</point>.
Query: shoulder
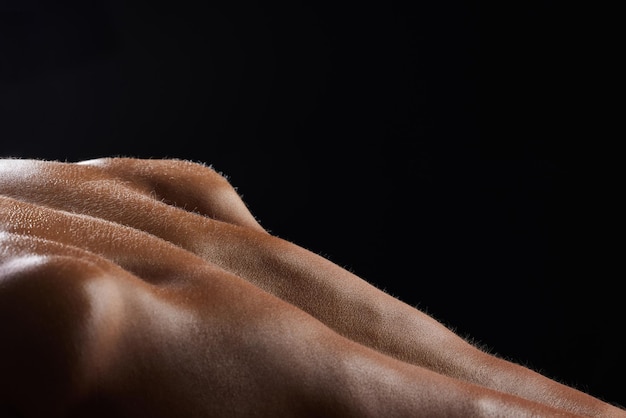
<point>194,186</point>
<point>188,185</point>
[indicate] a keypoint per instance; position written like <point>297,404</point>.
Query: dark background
<point>444,155</point>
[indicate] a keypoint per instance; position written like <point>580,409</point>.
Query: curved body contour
<point>133,287</point>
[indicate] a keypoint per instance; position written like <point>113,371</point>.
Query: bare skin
<point>136,287</point>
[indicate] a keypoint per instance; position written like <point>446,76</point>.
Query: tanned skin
<point>146,288</point>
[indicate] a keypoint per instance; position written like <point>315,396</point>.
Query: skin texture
<point>133,287</point>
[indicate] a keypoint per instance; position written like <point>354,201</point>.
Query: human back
<point>133,286</point>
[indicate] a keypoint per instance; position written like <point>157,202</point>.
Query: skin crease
<point>133,287</point>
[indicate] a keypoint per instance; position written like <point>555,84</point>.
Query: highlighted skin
<point>133,287</point>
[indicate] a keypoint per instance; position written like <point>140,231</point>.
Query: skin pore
<point>132,287</point>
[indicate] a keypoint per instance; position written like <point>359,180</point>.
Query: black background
<point>444,155</point>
